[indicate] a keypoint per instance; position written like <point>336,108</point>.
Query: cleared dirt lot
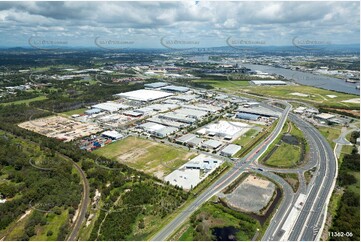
<point>252,195</point>
<point>60,128</point>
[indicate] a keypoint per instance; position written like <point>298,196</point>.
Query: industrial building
<point>248,116</point>
<point>212,144</point>
<point>204,107</point>
<point>196,114</point>
<point>268,82</point>
<point>189,175</point>
<point>92,111</point>
<point>224,129</point>
<point>185,97</point>
<point>167,122</point>
<point>299,110</point>
<point>178,117</point>
<point>251,104</point>
<point>114,135</point>
<point>144,95</point>
<point>261,111</point>
<point>157,130</point>
<point>175,88</point>
<point>324,116</point>
<point>110,106</point>
<point>132,114</point>
<point>190,139</point>
<point>230,150</point>
<point>155,85</point>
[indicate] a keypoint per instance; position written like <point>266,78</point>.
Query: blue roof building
<point>247,116</point>
<point>175,89</point>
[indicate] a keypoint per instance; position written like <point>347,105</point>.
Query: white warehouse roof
<point>144,95</point>
<point>230,150</point>
<point>269,82</point>
<point>112,134</point>
<point>110,106</point>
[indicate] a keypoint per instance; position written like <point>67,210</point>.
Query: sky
<point>177,24</point>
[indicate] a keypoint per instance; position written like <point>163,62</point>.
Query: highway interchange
<point>308,225</point>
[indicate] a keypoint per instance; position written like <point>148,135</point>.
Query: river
<point>309,79</point>
<point>300,77</point>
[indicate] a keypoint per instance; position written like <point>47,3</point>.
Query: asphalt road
<point>310,220</point>
<point>225,180</point>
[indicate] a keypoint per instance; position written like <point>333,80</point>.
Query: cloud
<point>278,22</point>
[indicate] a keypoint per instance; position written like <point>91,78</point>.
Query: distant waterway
<point>300,77</point>
<point>309,79</point>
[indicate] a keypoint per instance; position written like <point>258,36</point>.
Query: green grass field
<point>54,224</point>
<point>330,133</point>
<point>26,101</point>
<point>285,156</point>
<point>76,111</point>
<point>224,84</point>
<point>247,137</point>
<point>187,235</point>
<point>146,155</point>
<point>316,95</point>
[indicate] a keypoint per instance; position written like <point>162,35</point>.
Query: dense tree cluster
<point>28,187</point>
<point>354,136</point>
<point>138,194</point>
<point>203,226</point>
<point>351,162</point>
<point>347,218</point>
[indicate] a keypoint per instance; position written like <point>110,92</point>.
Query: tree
<point>141,224</point>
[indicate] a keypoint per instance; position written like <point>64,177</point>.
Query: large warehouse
<point>110,106</point>
<point>224,129</point>
<point>268,82</point>
<point>158,130</point>
<point>230,150</point>
<point>144,95</point>
<point>189,175</point>
<point>175,88</point>
<point>155,85</point>
<point>261,111</point>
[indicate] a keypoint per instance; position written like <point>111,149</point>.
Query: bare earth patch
<point>252,195</point>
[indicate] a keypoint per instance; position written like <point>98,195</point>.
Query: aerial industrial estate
<point>244,141</point>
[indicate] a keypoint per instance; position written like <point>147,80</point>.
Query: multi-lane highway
<point>225,180</point>
<point>310,220</point>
